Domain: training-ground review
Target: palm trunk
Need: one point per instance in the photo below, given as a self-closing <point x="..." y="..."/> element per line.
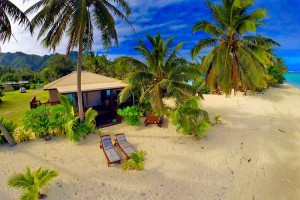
<point x="9" y="139"/>
<point x="79" y="64"/>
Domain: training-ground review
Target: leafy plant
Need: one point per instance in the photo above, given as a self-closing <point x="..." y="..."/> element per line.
<point x="64" y="120"/>
<point x="131" y="115"/>
<point x="10" y="127"/>
<point x="22" y="135"/>
<point x="89" y="120"/>
<point x="217" y="120"/>
<point x="136" y="161"/>
<point x="32" y="182"/>
<point x="186" y="118"/>
<point x="38" y="120"/>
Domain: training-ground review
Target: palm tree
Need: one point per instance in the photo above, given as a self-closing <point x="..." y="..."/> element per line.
<point x="10" y="10"/>
<point x="32" y="182"/>
<point x="161" y="72"/>
<point x="78" y="18"/>
<point x="235" y="59"/>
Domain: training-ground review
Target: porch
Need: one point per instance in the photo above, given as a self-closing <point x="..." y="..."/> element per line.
<point x="105" y="102"/>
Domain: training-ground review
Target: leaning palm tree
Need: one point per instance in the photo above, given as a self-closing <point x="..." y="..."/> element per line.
<point x="9" y="10"/>
<point x="78" y="18"/>
<point x="235" y="59"/>
<point x="32" y="182"/>
<point x="161" y="72"/>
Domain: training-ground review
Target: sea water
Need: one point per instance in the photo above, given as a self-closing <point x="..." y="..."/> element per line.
<point x="293" y="78"/>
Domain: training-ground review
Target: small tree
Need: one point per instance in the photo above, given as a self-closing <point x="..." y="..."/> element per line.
<point x="190" y="119"/>
<point x="32" y="182"/>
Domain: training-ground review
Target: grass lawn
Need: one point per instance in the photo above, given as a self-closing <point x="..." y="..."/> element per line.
<point x="15" y="104"/>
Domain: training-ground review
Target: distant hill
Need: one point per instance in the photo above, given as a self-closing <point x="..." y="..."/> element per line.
<point x="36" y="62"/>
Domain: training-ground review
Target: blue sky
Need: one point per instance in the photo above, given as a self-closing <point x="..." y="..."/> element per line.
<point x="175" y="18"/>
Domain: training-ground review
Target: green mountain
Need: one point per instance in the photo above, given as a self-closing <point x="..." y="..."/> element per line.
<point x="35" y="62"/>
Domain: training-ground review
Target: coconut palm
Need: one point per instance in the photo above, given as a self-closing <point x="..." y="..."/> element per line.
<point x="78" y="18"/>
<point x="235" y="58"/>
<point x="9" y="10"/>
<point x="32" y="182"/>
<point x="161" y="72"/>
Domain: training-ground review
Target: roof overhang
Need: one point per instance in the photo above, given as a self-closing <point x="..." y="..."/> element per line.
<point x="91" y="87"/>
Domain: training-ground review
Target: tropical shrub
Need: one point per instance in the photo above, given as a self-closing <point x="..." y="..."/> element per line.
<point x="131" y="115"/>
<point x="32" y="182"/>
<point x="136" y="161"/>
<point x="10" y="127"/>
<point x="22" y="135"/>
<point x="64" y="121"/>
<point x="32" y="86"/>
<point x="38" y="120"/>
<point x="186" y="118"/>
<point x="89" y="120"/>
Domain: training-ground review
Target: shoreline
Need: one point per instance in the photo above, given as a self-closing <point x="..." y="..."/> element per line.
<point x="253" y="154"/>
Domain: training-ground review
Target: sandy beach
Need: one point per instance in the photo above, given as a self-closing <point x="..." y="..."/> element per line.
<point x="253" y="155"/>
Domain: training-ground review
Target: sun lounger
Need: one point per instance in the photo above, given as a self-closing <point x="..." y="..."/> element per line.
<point x="152" y="119"/>
<point x="122" y="143"/>
<point x="109" y="151"/>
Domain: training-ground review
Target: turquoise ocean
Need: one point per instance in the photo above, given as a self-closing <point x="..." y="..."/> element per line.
<point x="293" y="78"/>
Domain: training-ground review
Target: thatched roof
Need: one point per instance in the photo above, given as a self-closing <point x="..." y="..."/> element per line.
<point x="89" y="82"/>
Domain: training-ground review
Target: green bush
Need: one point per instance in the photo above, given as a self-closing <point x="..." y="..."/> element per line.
<point x="186" y="118"/>
<point x="131" y="115"/>
<point x="136" y="161"/>
<point x="10" y="127"/>
<point x="38" y="120"/>
<point x="32" y="86"/>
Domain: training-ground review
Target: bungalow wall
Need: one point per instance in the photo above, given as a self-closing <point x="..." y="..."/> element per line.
<point x="54" y="95"/>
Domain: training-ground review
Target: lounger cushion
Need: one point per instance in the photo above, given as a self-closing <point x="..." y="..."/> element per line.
<point x="107" y="144"/>
<point x="121" y="138"/>
<point x="112" y="155"/>
<point x="124" y="145"/>
<point x="128" y="150"/>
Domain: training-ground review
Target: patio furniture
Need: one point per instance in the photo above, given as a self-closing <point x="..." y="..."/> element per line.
<point x="109" y="151"/>
<point x="152" y="119"/>
<point x="122" y="143"/>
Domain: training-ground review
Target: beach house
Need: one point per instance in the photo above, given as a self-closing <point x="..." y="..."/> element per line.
<point x="99" y="92"/>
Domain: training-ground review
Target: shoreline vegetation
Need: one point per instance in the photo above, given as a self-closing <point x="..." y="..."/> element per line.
<point x="244" y="147"/>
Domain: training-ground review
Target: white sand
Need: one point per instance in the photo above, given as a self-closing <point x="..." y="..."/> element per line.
<point x="253" y="155"/>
